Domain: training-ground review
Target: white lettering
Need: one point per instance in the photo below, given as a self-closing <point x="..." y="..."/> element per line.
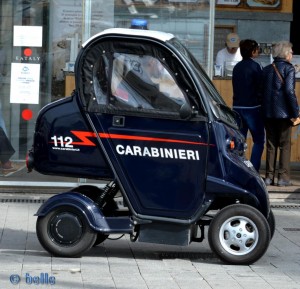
<point x="161" y="152"/>
<point x="28" y="58"/>
<point x="190" y="155"/>
<point x="137" y="151"/>
<point x="153" y="152"/>
<point x="182" y="154"/>
<point x="169" y="153"/>
<point x="146" y="152"/>
<point x="120" y="149"/>
<point x="175" y="154"/>
<point x="129" y="151"/>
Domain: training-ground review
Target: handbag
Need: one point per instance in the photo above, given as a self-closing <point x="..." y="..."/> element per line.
<point x="294" y="121"/>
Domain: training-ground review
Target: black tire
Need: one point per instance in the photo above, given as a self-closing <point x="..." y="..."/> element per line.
<point x="239" y="234"/>
<point x="65" y="232"/>
<point x="272" y="223"/>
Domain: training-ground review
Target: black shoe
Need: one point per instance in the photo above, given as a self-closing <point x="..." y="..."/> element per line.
<point x="284" y="183"/>
<point x="268" y="182"/>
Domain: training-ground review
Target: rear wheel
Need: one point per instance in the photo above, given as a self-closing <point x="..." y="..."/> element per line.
<point x="65" y="232"/>
<point x="239" y="234"/>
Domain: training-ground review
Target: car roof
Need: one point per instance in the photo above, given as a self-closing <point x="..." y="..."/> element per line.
<point x="159" y="35"/>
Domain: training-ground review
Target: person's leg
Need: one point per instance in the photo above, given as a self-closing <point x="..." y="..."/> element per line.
<point x="6" y="151"/>
<point x="285" y="150"/>
<point x="257" y="130"/>
<point x="271" y="148"/>
<point x="243" y="125"/>
<point x="2" y="123"/>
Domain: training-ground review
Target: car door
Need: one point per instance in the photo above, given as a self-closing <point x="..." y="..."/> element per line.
<point x="159" y="157"/>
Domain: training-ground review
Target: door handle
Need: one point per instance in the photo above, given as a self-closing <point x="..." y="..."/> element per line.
<point x="119" y="120"/>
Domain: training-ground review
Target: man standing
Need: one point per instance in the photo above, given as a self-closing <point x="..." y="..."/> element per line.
<point x="231" y="52"/>
<point x="246" y="81"/>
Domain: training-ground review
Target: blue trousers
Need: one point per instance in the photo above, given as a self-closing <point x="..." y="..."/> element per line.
<point x="252" y="121"/>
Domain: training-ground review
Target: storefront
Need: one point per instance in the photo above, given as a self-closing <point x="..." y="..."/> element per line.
<point x="266" y="23"/>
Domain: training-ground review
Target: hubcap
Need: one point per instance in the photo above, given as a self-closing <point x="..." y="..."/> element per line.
<point x="65" y="228"/>
<point x="238" y="235"/>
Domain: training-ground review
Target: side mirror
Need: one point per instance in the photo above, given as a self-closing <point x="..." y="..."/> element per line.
<point x="185" y="111"/>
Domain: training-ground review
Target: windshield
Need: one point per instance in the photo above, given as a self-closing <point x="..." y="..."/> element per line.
<point x="218" y="106"/>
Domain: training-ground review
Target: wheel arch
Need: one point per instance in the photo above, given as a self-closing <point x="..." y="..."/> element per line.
<point x="224" y="193"/>
<point x="92" y="213"/>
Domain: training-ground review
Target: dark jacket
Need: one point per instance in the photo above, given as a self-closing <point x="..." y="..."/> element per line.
<point x="246" y="82"/>
<point x="279" y="99"/>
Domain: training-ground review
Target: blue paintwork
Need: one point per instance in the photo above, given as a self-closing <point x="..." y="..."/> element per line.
<point x="93" y="214"/>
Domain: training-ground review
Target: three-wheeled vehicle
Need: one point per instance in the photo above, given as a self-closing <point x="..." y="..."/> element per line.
<point x="146" y="118"/>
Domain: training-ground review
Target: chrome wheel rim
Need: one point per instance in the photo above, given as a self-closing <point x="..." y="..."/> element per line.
<point x="238" y="235"/>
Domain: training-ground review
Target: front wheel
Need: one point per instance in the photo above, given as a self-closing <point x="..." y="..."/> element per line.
<point x="239" y="234"/>
<point x="65" y="232"/>
<point x="272" y="223"/>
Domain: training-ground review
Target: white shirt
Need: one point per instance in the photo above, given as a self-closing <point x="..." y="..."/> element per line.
<point x="223" y="55"/>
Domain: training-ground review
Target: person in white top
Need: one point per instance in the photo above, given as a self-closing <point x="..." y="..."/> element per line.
<point x="231" y="52"/>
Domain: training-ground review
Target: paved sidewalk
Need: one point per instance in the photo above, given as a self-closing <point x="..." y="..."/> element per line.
<point x="124" y="265"/>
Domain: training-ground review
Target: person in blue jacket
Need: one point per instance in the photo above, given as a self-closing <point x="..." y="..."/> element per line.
<point x="279" y="106"/>
<point x="246" y="82"/>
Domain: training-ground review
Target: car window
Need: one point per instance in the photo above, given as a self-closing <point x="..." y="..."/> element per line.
<point x="135" y="82"/>
<point x="143" y="82"/>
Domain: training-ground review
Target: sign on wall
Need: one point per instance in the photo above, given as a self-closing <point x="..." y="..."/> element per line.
<point x="25" y="75"/>
<point x="259" y="4"/>
<point x="25" y="83"/>
<point x="28" y="36"/>
<point x="228" y="2"/>
<point x="263" y="3"/>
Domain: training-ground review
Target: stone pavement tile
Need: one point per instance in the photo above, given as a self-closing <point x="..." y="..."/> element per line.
<point x="33" y="244"/>
<point x="283" y="285"/>
<point x="216" y="275"/>
<point x="65" y="264"/>
<point x="36" y="261"/>
<point x="192" y="284"/>
<point x="165" y="283"/>
<point x="257" y="285"/>
<point x="5" y="278"/>
<point x="124" y="271"/>
<point x="11" y="260"/>
<point x="130" y="282"/>
<point x="100" y="284"/>
<point x="95" y="272"/>
<point x="67" y="280"/>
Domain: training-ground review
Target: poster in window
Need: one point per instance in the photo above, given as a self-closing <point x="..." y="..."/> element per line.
<point x="264" y="4"/>
<point x="228" y="3"/>
<point x="28" y="36"/>
<point x="25" y="80"/>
